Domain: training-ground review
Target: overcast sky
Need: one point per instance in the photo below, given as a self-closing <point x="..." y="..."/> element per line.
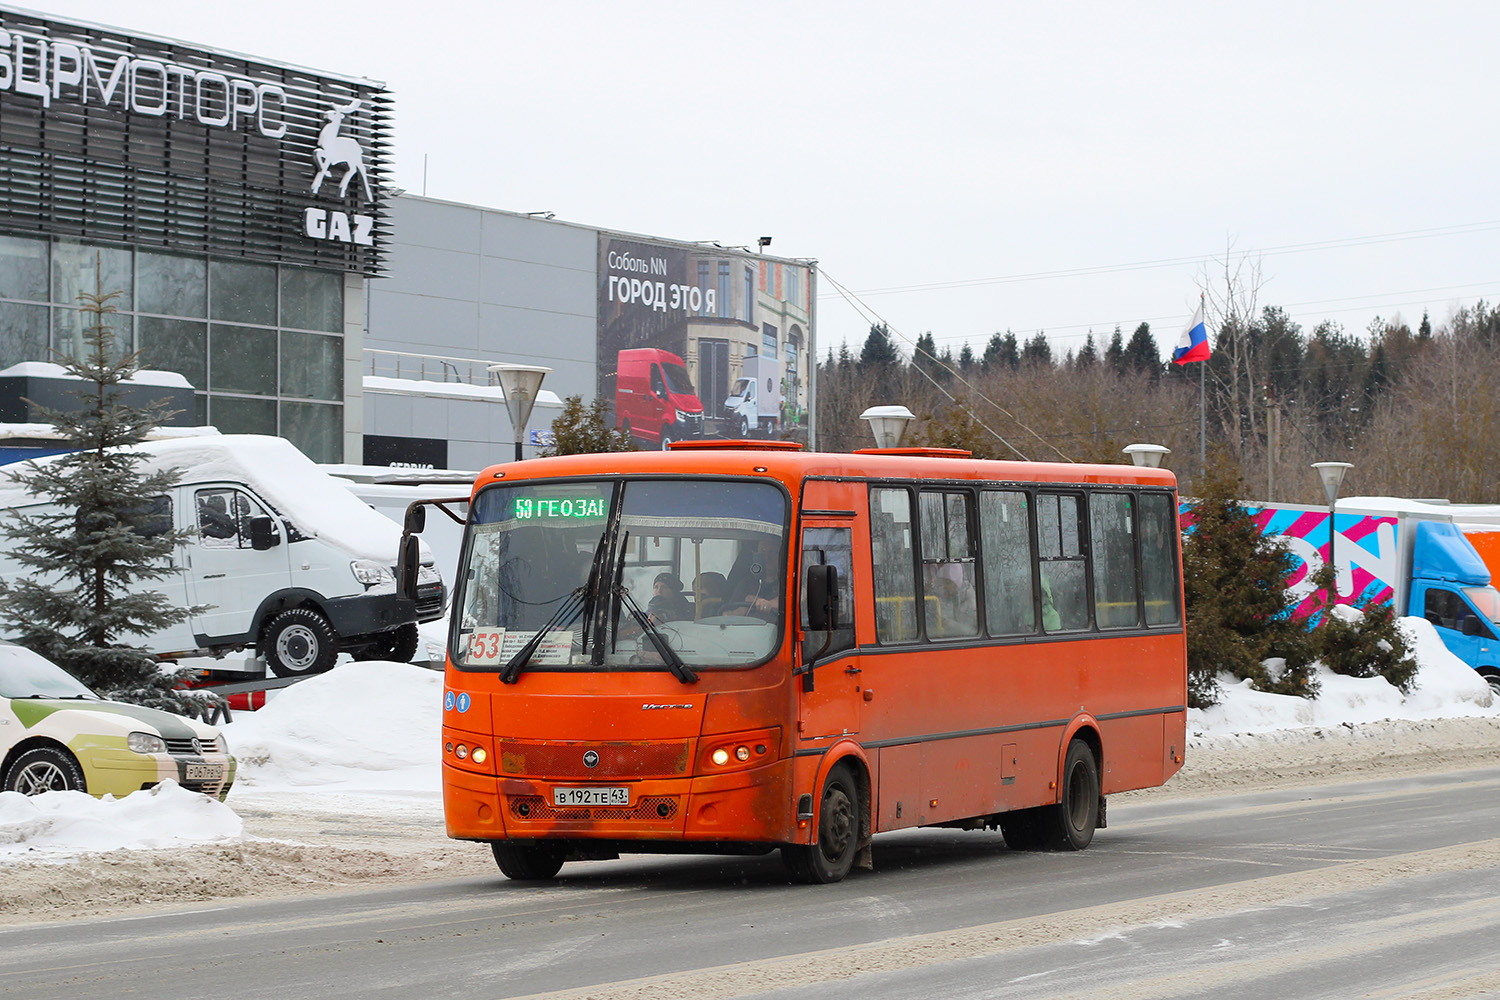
<point x="965" y="168"/>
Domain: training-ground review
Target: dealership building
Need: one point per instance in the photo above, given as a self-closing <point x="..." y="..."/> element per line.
<point x="239" y="212"/>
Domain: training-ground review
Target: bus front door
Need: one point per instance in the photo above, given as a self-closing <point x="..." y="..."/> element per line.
<point x="831" y="690"/>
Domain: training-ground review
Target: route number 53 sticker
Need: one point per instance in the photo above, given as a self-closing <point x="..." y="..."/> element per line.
<point x="485" y="645"/>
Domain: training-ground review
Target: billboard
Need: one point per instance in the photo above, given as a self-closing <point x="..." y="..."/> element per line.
<point x="112" y="137"/>
<point x="703" y="341"/>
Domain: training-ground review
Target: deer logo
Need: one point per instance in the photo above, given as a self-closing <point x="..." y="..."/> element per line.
<point x="334" y="149"/>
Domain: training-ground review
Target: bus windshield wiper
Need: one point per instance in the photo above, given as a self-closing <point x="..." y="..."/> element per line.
<point x="664" y="648"/>
<point x="568" y="610"/>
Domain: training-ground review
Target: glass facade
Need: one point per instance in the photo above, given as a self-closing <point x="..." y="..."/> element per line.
<point x="263" y="344"/>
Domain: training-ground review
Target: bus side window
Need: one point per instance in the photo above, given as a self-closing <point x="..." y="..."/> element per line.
<point x="947" y="566"/>
<point x="1008" y="569"/>
<point x="893" y="576"/>
<point x="1060" y="555"/>
<point x="829" y="547"/>
<point x="1159" y="559"/>
<point x="1113" y="538"/>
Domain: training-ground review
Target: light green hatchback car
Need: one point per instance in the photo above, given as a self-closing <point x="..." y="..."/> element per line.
<point x="56" y="735"/>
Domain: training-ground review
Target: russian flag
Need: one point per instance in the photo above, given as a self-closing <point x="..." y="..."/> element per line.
<point x="1193" y="344"/>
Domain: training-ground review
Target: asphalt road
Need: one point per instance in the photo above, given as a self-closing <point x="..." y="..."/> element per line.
<point x="1378" y="889"/>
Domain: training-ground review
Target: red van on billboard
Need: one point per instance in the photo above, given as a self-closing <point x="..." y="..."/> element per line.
<point x="654" y="398"/>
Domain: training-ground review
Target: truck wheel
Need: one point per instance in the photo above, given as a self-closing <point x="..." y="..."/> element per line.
<point x="45" y="769"/>
<point x="666" y="437"/>
<point x="744" y="427"/>
<point x="398" y="645"/>
<point x="1491" y="677"/>
<point x="297" y="642"/>
<point x="528" y="863"/>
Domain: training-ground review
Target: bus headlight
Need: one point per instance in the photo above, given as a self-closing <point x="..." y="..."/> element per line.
<point x="739" y="750"/>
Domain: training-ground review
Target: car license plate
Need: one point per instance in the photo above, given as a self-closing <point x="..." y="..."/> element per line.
<point x="618" y="796"/>
<point x="205" y="772"/>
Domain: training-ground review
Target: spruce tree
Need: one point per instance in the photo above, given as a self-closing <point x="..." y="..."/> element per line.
<point x="103" y="535"/>
<point x="1238" y="605"/>
<point x="583" y="430"/>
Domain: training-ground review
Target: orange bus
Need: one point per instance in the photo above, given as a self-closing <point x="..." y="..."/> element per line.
<point x="739" y="647"/>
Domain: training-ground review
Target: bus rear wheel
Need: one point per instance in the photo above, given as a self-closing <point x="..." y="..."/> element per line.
<point x="528" y="862"/>
<point x="830" y="859"/>
<point x="1069" y="825"/>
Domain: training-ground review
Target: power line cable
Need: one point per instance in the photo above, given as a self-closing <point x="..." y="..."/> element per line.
<point x="866" y="310"/>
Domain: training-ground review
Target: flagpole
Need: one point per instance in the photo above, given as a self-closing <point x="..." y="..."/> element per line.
<point x="1202" y="409"/>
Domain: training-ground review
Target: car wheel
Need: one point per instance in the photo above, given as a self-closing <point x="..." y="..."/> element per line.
<point x="830" y="859"/>
<point x="398" y="645"/>
<point x="528" y="862"/>
<point x="45" y="769"/>
<point x="298" y="642"/>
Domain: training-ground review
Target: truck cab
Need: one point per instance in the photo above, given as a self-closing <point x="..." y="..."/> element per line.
<point x="1450" y="587"/>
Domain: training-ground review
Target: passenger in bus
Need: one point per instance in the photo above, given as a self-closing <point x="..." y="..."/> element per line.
<point x="752" y="581"/>
<point x="667" y="603"/>
<point x="709" y="590"/>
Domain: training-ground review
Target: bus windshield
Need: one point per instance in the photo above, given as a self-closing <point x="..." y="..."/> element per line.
<point x="611" y="574"/>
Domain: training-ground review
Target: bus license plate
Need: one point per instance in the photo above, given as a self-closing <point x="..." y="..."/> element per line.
<point x="591" y="796"/>
<point x="205" y="772"/>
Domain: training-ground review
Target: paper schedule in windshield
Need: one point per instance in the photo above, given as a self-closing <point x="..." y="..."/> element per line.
<point x="494" y="646"/>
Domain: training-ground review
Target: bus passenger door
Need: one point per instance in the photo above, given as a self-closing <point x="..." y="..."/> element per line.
<point x="830" y="698"/>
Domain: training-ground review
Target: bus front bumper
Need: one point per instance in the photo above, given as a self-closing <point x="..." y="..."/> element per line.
<point x="755" y="805"/>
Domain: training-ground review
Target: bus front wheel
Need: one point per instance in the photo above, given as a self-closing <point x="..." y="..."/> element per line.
<point x="830" y="859"/>
<point x="528" y="862"/>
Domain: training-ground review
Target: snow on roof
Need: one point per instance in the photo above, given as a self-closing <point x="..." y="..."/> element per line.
<point x="46" y="369"/>
<point x="273" y="467"/>
<point x="46" y="432"/>
<point x="450" y="390"/>
<point x="1435" y="508"/>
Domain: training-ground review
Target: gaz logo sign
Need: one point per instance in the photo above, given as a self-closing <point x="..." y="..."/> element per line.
<point x="340" y="152"/>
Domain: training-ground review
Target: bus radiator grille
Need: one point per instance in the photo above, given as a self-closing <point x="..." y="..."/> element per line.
<point x="616" y="760"/>
<point x="654" y="808"/>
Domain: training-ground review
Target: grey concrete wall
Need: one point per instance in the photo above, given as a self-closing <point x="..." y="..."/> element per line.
<point x="477" y="283"/>
<point x="480" y="284"/>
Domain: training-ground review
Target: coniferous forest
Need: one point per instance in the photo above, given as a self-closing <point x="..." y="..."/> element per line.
<point x="1414" y="410"/>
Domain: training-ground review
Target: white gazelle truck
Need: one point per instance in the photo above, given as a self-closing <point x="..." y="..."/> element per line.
<point x="282" y="559"/>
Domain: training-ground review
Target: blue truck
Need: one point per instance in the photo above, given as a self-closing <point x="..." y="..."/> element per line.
<point x="1419" y="556"/>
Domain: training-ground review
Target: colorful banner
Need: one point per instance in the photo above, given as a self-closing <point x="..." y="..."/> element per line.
<point x="703" y="342"/>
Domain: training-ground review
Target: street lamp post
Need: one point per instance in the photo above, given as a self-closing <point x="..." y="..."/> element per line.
<point x="888" y="424"/>
<point x="520" y="383"/>
<point x="1147" y="456"/>
<point x="1332" y="475"/>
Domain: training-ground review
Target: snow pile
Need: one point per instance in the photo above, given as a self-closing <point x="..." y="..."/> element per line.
<point x="368" y="734"/>
<point x="61" y="824"/>
<point x="1446" y="688"/>
<point x="367" y="726"/>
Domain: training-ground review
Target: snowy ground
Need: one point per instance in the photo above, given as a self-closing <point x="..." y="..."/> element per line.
<point x="338" y="786"/>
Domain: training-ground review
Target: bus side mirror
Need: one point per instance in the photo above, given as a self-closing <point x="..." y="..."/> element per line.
<point x="822" y="598"/>
<point x="408" y="563"/>
<point x="262" y="533"/>
<point x="416" y="518"/>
